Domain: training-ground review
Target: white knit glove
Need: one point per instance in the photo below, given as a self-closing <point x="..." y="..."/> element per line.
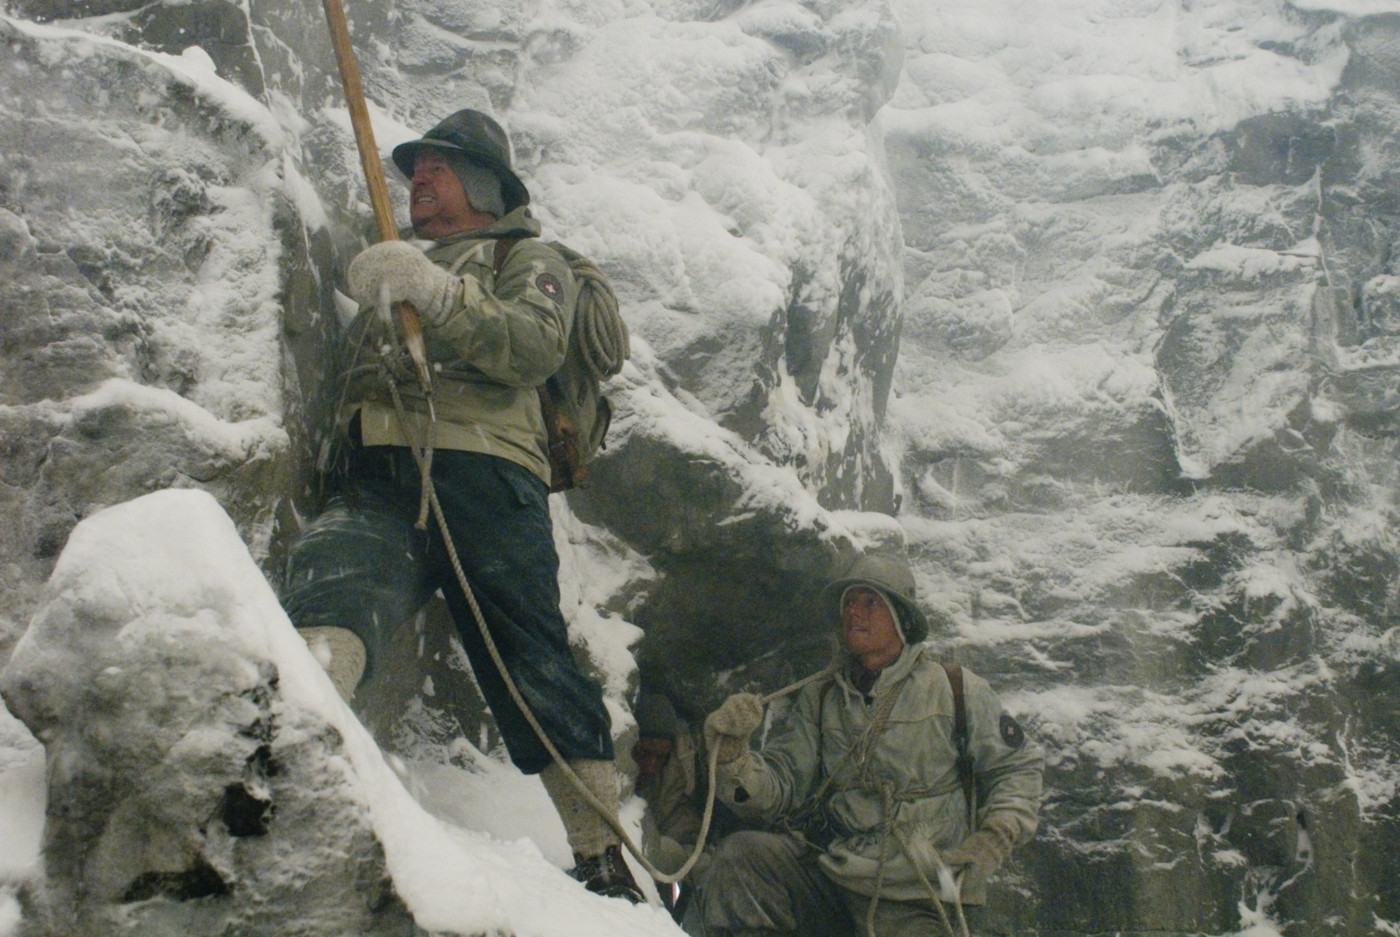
<point x="402" y="270"/>
<point x="983" y="852"/>
<point x="728" y="728"/>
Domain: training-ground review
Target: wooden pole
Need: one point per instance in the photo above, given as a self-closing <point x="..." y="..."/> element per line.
<point x="374" y="177"/>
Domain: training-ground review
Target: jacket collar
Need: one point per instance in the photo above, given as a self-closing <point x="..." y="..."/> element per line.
<point x="515" y="224"/>
<point x="891" y="675"/>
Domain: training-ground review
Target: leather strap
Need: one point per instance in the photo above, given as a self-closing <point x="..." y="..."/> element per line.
<point x="503" y="246"/>
<point x="961" y="739"/>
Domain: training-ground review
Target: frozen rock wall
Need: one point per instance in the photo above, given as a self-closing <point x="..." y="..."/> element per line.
<point x="188" y="791"/>
<point x="142" y="295"/>
<point x="1145" y="402"/>
<point x="1137" y="263"/>
<point x="718" y="162"/>
<point x="179" y="193"/>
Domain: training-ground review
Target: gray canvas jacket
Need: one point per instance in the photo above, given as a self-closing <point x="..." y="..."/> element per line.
<point x="915" y="755"/>
<point x="488" y="354"/>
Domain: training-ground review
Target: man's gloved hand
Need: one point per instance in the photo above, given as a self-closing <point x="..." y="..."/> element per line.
<point x="407" y="275"/>
<point x="728" y="728"/>
<point x="982" y="853"/>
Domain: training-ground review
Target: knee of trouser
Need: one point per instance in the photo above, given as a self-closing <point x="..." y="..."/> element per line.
<point x="741" y="855"/>
<point x="357" y="569"/>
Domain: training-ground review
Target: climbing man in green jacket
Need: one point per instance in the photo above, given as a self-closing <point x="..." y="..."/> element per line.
<point x="495" y="304"/>
<point x="895" y="786"/>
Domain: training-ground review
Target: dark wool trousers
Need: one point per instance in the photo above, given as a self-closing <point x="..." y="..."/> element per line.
<point x="764" y="884"/>
<point x="362" y="565"/>
<point x="770" y="883"/>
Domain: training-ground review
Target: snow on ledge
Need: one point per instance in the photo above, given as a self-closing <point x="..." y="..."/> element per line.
<point x="177" y="549"/>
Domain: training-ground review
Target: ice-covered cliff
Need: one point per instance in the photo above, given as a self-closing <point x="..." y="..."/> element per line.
<point x="1098" y="299"/>
<point x="1144" y="414"/>
<point x="181" y="193"/>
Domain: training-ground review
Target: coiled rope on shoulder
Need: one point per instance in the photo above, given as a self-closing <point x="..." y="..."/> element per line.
<point x="602" y="333"/>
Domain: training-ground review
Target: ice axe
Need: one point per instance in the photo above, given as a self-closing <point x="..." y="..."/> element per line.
<point x="374" y="179"/>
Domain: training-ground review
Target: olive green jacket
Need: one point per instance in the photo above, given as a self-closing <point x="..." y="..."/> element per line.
<point x="671" y="824"/>
<point x="915" y="756"/>
<point x="500" y="340"/>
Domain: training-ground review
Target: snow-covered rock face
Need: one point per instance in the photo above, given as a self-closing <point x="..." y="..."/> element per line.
<point x="187" y="793"/>
<point x="141" y="281"/>
<point x="1141" y="428"/>
<point x="716" y="160"/>
<point x="181" y="191"/>
<point x="203" y="777"/>
<point x="1145" y="415"/>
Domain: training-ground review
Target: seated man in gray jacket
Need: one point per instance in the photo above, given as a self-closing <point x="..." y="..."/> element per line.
<point x="889" y="789"/>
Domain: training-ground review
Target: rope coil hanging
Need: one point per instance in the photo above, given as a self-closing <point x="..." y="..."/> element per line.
<point x="603" y="335"/>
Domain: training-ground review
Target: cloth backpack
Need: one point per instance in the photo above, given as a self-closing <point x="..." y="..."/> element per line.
<point x="576" y="412"/>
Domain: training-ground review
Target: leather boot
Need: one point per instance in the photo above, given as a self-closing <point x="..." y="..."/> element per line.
<point x="607" y="874"/>
<point x="598" y="861"/>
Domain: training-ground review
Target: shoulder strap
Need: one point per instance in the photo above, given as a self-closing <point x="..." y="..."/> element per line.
<point x="566" y="469"/>
<point x="960" y="739"/>
<point x="503" y="248"/>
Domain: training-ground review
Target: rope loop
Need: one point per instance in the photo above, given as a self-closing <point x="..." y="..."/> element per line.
<point x="602" y="332"/>
<point x="862" y="750"/>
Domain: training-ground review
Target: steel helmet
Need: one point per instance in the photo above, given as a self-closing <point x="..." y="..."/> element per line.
<point x="892" y="577"/>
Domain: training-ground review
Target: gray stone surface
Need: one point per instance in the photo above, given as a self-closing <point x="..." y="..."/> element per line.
<point x="1161" y="508"/>
<point x="142" y="335"/>
<point x="187" y="793"/>
<point x="1131" y="387"/>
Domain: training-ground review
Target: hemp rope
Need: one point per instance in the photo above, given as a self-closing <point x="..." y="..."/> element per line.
<point x="603" y="337"/>
<point x="432" y="503"/>
<point x="863" y="751"/>
<point x="889" y="808"/>
<point x="605" y="343"/>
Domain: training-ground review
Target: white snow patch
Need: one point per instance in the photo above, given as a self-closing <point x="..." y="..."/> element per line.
<point x="178" y="550"/>
<point x="193" y="67"/>
<point x="1249" y="263"/>
<point x="244" y="441"/>
<point x="22" y="803"/>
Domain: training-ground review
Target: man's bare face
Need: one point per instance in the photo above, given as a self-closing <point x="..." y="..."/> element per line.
<point x="651" y="754"/>
<point x="438" y="203"/>
<point x="867" y="627"/>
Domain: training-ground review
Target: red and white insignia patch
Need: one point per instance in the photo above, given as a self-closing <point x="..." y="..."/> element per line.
<point x="549" y="285"/>
<point x="1011" y="732"/>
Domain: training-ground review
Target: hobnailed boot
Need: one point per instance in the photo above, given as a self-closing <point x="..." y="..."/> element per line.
<point x="341" y="654"/>
<point x="607" y="874"/>
<point x="598" y="859"/>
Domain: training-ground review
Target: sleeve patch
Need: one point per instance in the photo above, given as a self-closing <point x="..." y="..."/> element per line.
<point x="549" y="285"/>
<point x="1011" y="732"/>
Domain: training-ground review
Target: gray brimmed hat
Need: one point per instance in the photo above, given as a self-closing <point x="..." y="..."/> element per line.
<point x="476" y="136"/>
<point x="892" y="577"/>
